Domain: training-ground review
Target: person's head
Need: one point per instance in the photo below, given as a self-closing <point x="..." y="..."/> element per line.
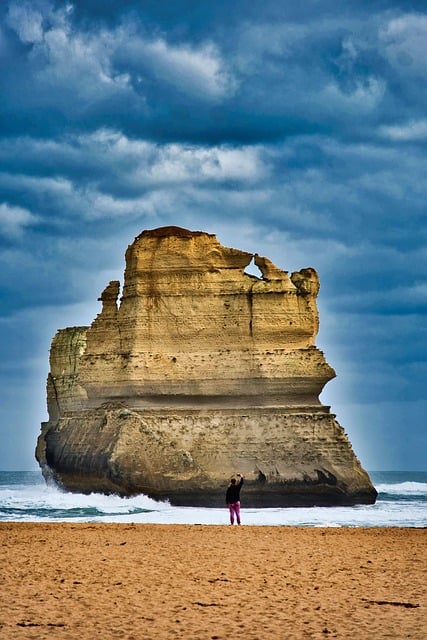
<point x="233" y="481"/>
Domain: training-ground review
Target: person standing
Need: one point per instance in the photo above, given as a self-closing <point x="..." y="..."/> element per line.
<point x="232" y="498"/>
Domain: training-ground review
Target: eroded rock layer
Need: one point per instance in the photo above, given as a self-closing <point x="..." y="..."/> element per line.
<point x="199" y="371"/>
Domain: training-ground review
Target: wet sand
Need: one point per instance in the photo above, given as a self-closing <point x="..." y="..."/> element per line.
<point x="134" y="582"/>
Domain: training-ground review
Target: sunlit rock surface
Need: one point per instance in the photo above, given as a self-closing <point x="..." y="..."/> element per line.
<point x="197" y="371"/>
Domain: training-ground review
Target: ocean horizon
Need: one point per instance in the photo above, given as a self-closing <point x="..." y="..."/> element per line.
<point x="25" y="497"/>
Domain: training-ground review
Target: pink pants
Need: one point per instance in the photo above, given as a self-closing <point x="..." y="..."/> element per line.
<point x="234" y="508"/>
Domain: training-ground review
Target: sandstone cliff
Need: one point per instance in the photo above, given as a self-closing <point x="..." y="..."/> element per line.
<point x="200" y="370"/>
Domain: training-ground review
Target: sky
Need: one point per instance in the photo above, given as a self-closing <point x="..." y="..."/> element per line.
<point x="296" y="130"/>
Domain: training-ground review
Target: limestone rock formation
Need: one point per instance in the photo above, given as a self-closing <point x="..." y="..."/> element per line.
<point x="201" y="370"/>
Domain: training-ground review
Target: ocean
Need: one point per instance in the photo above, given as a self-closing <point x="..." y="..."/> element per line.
<point x="25" y="497"/>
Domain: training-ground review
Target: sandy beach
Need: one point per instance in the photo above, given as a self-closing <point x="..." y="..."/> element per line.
<point x="86" y="581"/>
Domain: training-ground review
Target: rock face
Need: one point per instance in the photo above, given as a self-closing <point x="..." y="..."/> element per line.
<point x="200" y="371"/>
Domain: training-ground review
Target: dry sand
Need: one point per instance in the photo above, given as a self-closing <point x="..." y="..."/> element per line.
<point x="88" y="581"/>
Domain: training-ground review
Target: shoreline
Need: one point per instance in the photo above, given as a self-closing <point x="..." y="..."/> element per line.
<point x="150" y="581"/>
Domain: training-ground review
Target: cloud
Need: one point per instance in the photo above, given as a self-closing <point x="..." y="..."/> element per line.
<point x="57" y="77"/>
<point x="364" y="96"/>
<point x="412" y="131"/>
<point x="132" y="76"/>
<point x="105" y="173"/>
<point x="14" y="220"/>
<point x="27" y="21"/>
<point x="97" y="76"/>
<point x="73" y="71"/>
<point x="178" y="163"/>
<point x="404" y="39"/>
<point x="197" y="71"/>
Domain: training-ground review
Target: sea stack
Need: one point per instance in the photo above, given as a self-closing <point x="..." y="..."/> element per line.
<point x="197" y="371"/>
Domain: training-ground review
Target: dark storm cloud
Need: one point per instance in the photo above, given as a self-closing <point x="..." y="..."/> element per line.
<point x="295" y="130"/>
<point x="329" y="73"/>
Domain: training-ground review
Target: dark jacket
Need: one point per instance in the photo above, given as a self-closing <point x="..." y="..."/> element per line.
<point x="233" y="493"/>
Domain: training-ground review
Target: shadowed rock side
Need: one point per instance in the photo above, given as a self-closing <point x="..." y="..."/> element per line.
<point x="201" y="370"/>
